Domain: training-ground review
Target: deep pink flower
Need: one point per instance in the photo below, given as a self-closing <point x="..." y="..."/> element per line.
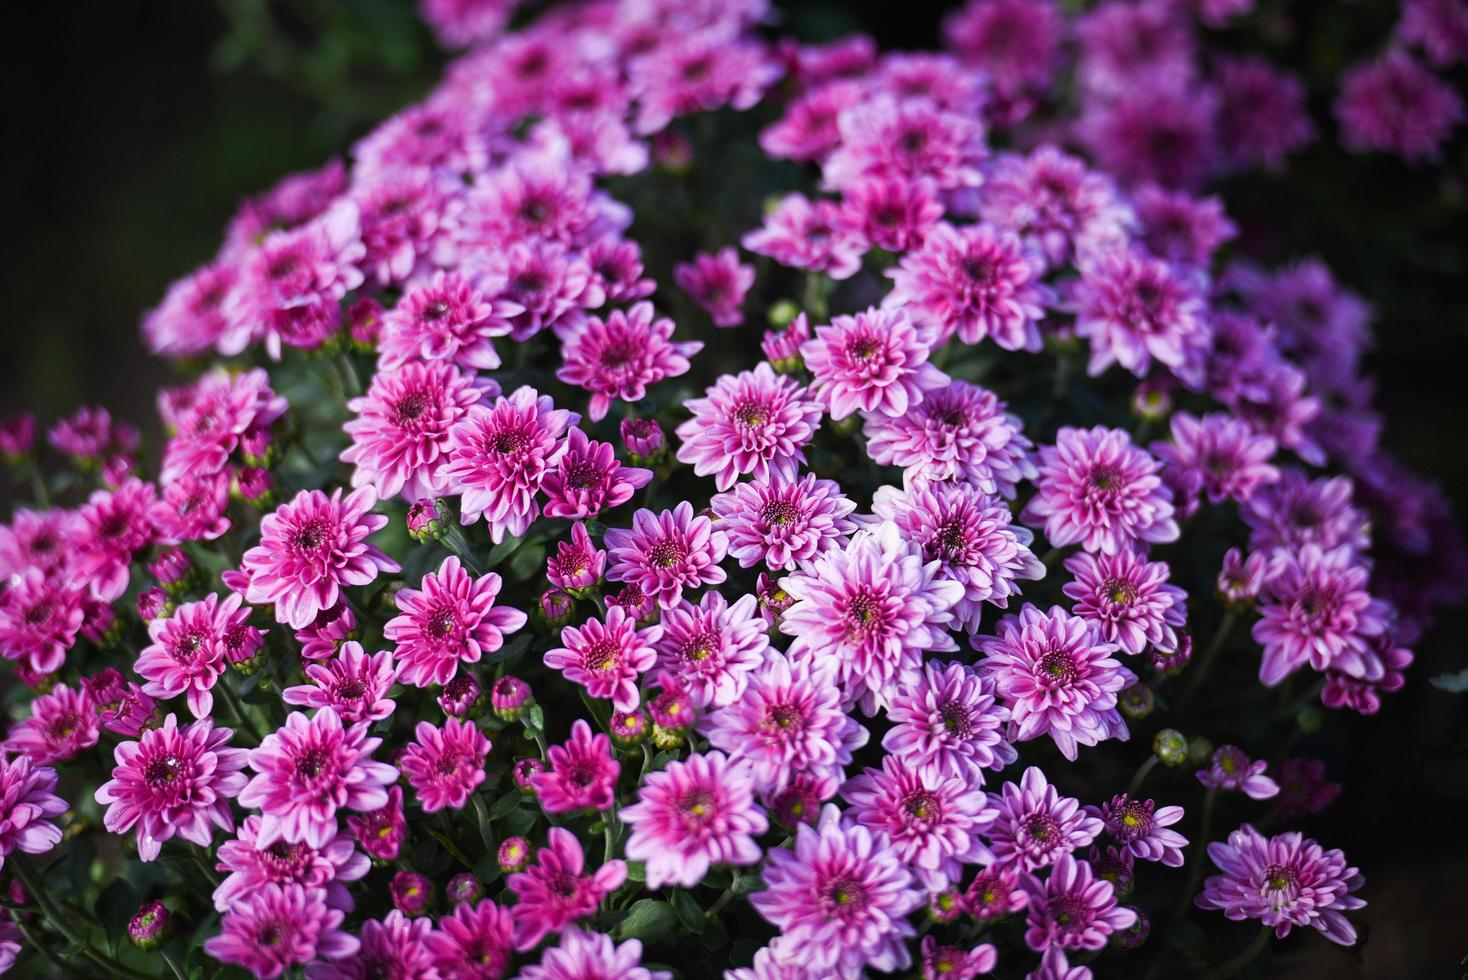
<point x="754" y="422"/>
<point x="1127" y="599"/>
<point x="555" y="892"/>
<point x="1304" y="788"/>
<point x="1134" y="309"/>
<point x="538" y="196"/>
<point x="840" y="899"/>
<point x="190" y="318"/>
<point x="875" y="362"/>
<point x="1181" y="227"/>
<point x="1295" y="511"/>
<point x="380" y="832"/>
<point x="452" y="619"/>
<point x="665" y="553"/>
<point x="588" y="955"/>
<point x="1140" y="826"/>
<point x="1232" y="769"/>
<point x="188" y="651"/>
<point x="619" y="357"/>
<point x="1154" y="132"/>
<point x="35" y="540"/>
<point x="28" y="801"/>
<point x="1317" y="611"/>
<point x="952" y="963"/>
<point x="808" y="130"/>
<point x="783" y="523"/>
<point x="1395" y="105"/>
<point x="194" y="507"/>
<point x="61" y="723"/>
<point x="995" y="893"/>
<point x="810" y="235"/>
<point x="583" y="774"/>
<point x="331" y="628"/>
<point x="121" y="705"/>
<point x="1036" y="825"/>
<point x="354" y="682"/>
<point x="717" y="283"/>
<point x="210" y="417"/>
<point x="550" y="286"/>
<point x="91" y="433"/>
<point x="949" y="722"/>
<point x="910" y="139"/>
<point x="395" y="944"/>
<point x="891" y="213"/>
<point x="405" y="218"/>
<point x="1017" y="42"/>
<point x="1073" y="909"/>
<point x="577" y="564"/>
<point x="473" y="943"/>
<point x="616" y="266"/>
<point x="309" y="769"/>
<point x="698" y="72"/>
<point x="310" y="548"/>
<point x="40" y="617"/>
<point x="588" y="479"/>
<point x="1058" y="207"/>
<point x="276" y="927"/>
<point x="251" y="866"/>
<point x="293" y="201"/>
<point x="1283" y="881"/>
<point x="1262" y="113"/>
<point x="445" y="318"/>
<point x="444" y="765"/>
<point x="1440" y="27"/>
<point x="711" y="647"/>
<point x="607" y="656"/>
<point x="111" y="528"/>
<point x="1217" y="455"/>
<point x="691" y="815"/>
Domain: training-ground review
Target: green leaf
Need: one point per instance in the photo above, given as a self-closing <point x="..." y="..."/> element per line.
<point x="636" y="870"/>
<point x="116" y="906"/>
<point x="510" y="650"/>
<point x="501" y="551"/>
<point x="528" y="561"/>
<point x="689" y="912"/>
<point x="535" y="718"/>
<point x="505" y="805"/>
<point x="648" y="920"/>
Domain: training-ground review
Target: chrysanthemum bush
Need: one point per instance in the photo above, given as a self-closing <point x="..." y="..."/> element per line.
<point x="682" y="502"/>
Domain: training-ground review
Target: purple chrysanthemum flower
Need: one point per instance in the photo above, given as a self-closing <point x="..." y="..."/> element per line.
<point x="1297" y="511"/>
<point x="1058" y="207"/>
<point x="62" y="722"/>
<point x="1217" y="455"/>
<point x="1134" y="308"/>
<point x="28" y="802"/>
<point x="444" y="765"/>
<point x="754" y="422"/>
<point x="1395" y="105"/>
<point x="1316" y="610"/>
<point x="949" y="722"/>
<point x="995" y="893"/>
<point x="577" y="564"/>
<point x="475" y="941"/>
<point x="447" y="319"/>
<point x="667" y="552"/>
<point x="910" y="139"/>
<point x="1231" y="769"/>
<point x="952" y="963"/>
<point x="694" y="814"/>
<point x="1072" y="908"/>
<point x="187" y="654"/>
<point x="1283" y="881"/>
<point x="555" y="892"/>
<point x="606" y="657"/>
<point x="583" y="774"/>
<point x="395" y="945"/>
<point x="354" y="682"/>
<point x="717" y="283"/>
<point x="1017" y="42"/>
<point x="1304" y="788"/>
<point x="250" y="866"/>
<point x="587" y="955"/>
<point x="784" y="522"/>
<point x="1098" y="490"/>
<point x="452" y="619"/>
<point x="1140" y="826"/>
<point x="712" y="647"/>
<point x="810" y="235"/>
<point x="1128" y="599"/>
<point x="875" y="362"/>
<point x="619" y="357"/>
<point x="276" y="927"/>
<point x="588" y="479"/>
<point x="1036" y="825"/>
<point x="1180" y="227"/>
<point x="891" y="213"/>
<point x="1262" y="114"/>
<point x="873" y="610"/>
<point x="840" y="899"/>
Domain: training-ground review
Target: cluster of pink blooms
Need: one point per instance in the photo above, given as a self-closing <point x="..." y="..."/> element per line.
<point x="686" y="630"/>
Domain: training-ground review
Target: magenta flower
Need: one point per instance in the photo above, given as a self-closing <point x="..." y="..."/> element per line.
<point x="307" y="770"/>
<point x="1036" y="825"/>
<point x="276" y="927"/>
<point x="395" y="942"/>
<point x="952" y="963"/>
<point x="840" y="899"/>
<point x="1134" y="309"/>
<point x="401" y="435"/>
<point x="188" y="652"/>
<point x="873" y="611"/>
<point x="619" y="357"/>
<point x="606" y="657"/>
<point x="698" y="72"/>
<point x="1057" y="677"/>
<point x="582" y="776"/>
<point x="910" y="139"/>
<point x="310" y="548"/>
<point x="405" y="222"/>
<point x="550" y="286"/>
<point x="667" y="552"/>
<point x="190" y="318"/>
<point x="444" y="765"/>
<point x="1395" y="105"/>
<point x="1017" y="42"/>
<point x="1073" y="909"/>
<point x="1140" y="826"/>
<point x="584" y="955"/>
<point x="452" y="619"/>
<point x="891" y="213"/>
<point x="1058" y="207"/>
<point x="783" y="523"/>
<point x="1304" y="788"/>
<point x="354" y="682"/>
<point x="694" y="814"/>
<point x="948" y="722"/>
<point x="1098" y="490"/>
<point x="448" y="319"/>
<point x="1127" y="599"/>
<point x="1297" y="511"/>
<point x="788" y="721"/>
<point x="810" y="235"/>
<point x="588" y="479"/>
<point x="380" y="832"/>
<point x="577" y="564"/>
<point x="875" y="362"/>
<point x="251" y="866"/>
<point x="1217" y="455"/>
<point x="754" y="422"/>
<point x="1231" y="769"/>
<point x="1180" y="227"/>
<point x="1283" y="881"/>
<point x="474" y="941"/>
<point x="62" y="722"/>
<point x="112" y="527"/>
<point x="1317" y="611"/>
<point x="555" y="892"/>
<point x="972" y="282"/>
<point x="28" y="801"/>
<point x="995" y="893"/>
<point x="712" y="647"/>
<point x="717" y="283"/>
<point x="210" y="419"/>
<point x="499" y="456"/>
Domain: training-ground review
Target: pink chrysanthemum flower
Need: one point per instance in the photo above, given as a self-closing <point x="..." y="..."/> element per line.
<point x="538" y="196"/>
<point x="307" y="770"/>
<point x="444" y="765"/>
<point x="958" y="433"/>
<point x="808" y="130"/>
<point x="401" y="432"/>
<point x="873" y="610"/>
<point x="698" y="72"/>
<point x="90" y="433"/>
<point x="1134" y="309"/>
<point x="995" y="893"/>
<point x="174" y="781"/>
<point x="122" y="707"/>
<point x="1162" y="133"/>
<point x="354" y="682"/>
<point x="588" y="479"/>
<point x="1017" y="42"/>
<point x="892" y="214"/>
<point x="911" y="139"/>
<point x="328" y="631"/>
<point x="754" y="422"/>
<point x="277" y="927"/>
<point x="1128" y="599"/>
<point x="1098" y="490"/>
<point x="1232" y="769"/>
<point x="190" y="319"/>
<point x="293" y="201"/>
<point x="606" y="657"/>
<point x="1036" y="825"/>
<point x="788" y="721"/>
<point x="840" y="899"/>
<point x="40" y="617"/>
<point x="1296" y="511"/>
<point x="783" y="523"/>
<point x="1058" y="207"/>
<point x="446" y="318"/>
<point x="405" y="217"/>
<point x="1073" y="909"/>
<point x="588" y="955"/>
<point x="577" y="564"/>
<point x="1181" y="227"/>
<point x="952" y="963"/>
<point x="583" y="774"/>
<point x="34" y="540"/>
<point x="396" y="946"/>
<point x="667" y="552"/>
<point x="555" y="892"/>
<point x="111" y="528"/>
<point x="550" y="286"/>
<point x="473" y="942"/>
<point x="28" y="802"/>
<point x="971" y="537"/>
<point x="1304" y="788"/>
<point x="717" y="283"/>
<point x="452" y="619"/>
<point x="932" y="821"/>
<point x="1317" y="611"/>
<point x="1283" y="881"/>
<point x="251" y="866"/>
<point x="380" y="832"/>
<point x="210" y="418"/>
<point x="711" y="647"/>
<point x="1262" y="113"/>
<point x="810" y="235"/>
<point x="616" y="266"/>
<point x="619" y="357"/>
<point x="972" y="282"/>
<point x="1141" y="827"/>
<point x="949" y="722"/>
<point x="62" y="723"/>
<point x="875" y="362"/>
<point x="1057" y="677"/>
<point x="188" y="652"/>
<point x="1395" y="105"/>
<point x="692" y="815"/>
<point x="499" y="456"/>
<point x="1217" y="455"/>
<point x="310" y="549"/>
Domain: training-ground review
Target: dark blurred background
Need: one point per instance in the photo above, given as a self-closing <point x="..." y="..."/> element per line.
<point x="135" y="125"/>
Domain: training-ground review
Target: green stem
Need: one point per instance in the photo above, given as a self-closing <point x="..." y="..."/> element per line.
<point x="454" y="540"/>
<point x="38" y="487"/>
<point x="1235" y="966"/>
<point x="1195" y="871"/>
<point x="725" y="898"/>
<point x="62" y="923"/>
<point x="452" y="848"/>
<point x="34" y="941"/>
<point x="609" y="833"/>
<point x="815" y="297"/>
<point x="238" y="710"/>
<point x="1205" y="661"/>
<point x="1141" y="775"/>
<point x="173" y="965"/>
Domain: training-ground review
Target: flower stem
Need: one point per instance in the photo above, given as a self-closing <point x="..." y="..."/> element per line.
<point x="1195" y="871"/>
<point x="1235" y="966"/>
<point x="238" y="710"/>
<point x="725" y="898"/>
<point x="1205" y="662"/>
<point x="1141" y="775"/>
<point x="62" y="923"/>
<point x="454" y="540"/>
